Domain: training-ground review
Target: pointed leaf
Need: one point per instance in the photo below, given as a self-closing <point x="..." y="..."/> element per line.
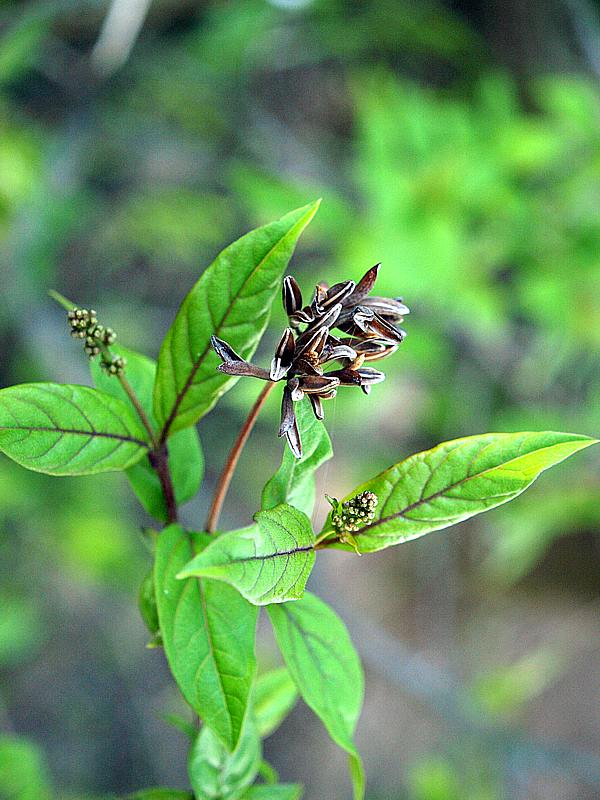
<point x="456" y="480"/>
<point x="216" y="774"/>
<point x="294" y="481"/>
<point x="23" y="771"/>
<point x="232" y="300"/>
<point x="267" y="563"/>
<point x="275" y="695"/>
<point x="68" y="430"/>
<point x="208" y="632"/>
<point x="280" y="791"/>
<point x="319" y="654"/>
<point x="186" y="461"/>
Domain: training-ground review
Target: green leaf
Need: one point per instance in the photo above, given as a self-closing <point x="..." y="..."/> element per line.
<point x="186" y="462"/>
<point x="23" y="771"/>
<point x="160" y="794"/>
<point x="294" y="481"/>
<point x="216" y="774"/>
<point x="267" y="563"/>
<point x="456" y="480"/>
<point x="182" y="725"/>
<point x="208" y="632"/>
<point x="281" y="791"/>
<point x="68" y="430"/>
<point x="275" y="695"/>
<point x="232" y="300"/>
<point x="319" y="654"/>
<point x="147" y="604"/>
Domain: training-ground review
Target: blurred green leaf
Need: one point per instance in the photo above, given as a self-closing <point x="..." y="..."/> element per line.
<point x="159" y="794"/>
<point x="23" y="771"/>
<point x="147" y="603"/>
<point x="281" y="791"/>
<point x="294" y="481"/>
<point x="21" y="44"/>
<point x="215" y="773"/>
<point x="434" y="779"/>
<point x="504" y="690"/>
<point x="20" y="629"/>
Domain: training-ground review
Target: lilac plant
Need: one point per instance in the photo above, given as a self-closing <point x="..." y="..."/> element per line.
<point x="202" y="599"/>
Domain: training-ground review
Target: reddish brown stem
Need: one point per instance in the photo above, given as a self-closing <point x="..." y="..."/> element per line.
<point x="159" y="460"/>
<point x="234" y="455"/>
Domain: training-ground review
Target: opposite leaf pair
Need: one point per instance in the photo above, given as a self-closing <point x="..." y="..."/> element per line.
<point x="208" y="631"/>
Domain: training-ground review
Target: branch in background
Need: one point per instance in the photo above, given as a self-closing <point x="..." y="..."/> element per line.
<point x="121" y="28"/>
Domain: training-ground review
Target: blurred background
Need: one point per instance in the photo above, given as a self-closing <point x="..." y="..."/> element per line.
<point x="459" y="144"/>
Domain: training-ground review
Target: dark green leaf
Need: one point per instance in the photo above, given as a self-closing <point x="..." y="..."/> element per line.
<point x="456" y="480"/>
<point x="186" y="462"/>
<point x="294" y="481"/>
<point x="23" y="771"/>
<point x="232" y="300"/>
<point x="208" y="633"/>
<point x="275" y="695"/>
<point x="216" y="774"/>
<point x="319" y="654"/>
<point x="267" y="563"/>
<point x="68" y="430"/>
<point x="281" y="791"/>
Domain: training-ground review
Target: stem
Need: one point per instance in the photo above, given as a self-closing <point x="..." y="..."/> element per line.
<point x="159" y="460"/>
<point x="320" y="540"/>
<point x="138" y="407"/>
<point x="234" y="455"/>
<point x="127" y="388"/>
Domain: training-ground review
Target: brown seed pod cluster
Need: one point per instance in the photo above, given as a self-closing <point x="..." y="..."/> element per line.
<point x="365" y="331"/>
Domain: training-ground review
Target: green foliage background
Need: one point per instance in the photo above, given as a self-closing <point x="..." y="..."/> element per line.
<point x="464" y="162"/>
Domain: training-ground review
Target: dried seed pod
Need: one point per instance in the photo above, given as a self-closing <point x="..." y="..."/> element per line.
<point x="291" y="295"/>
<point x="284" y="355"/>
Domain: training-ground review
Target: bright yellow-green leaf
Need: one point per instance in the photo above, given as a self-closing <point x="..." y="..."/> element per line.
<point x="456" y="480"/>
<point x="216" y="774"/>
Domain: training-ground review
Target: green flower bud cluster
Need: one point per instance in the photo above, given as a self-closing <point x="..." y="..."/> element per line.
<point x="355" y="513"/>
<point x="114" y="366"/>
<point x="84" y="325"/>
